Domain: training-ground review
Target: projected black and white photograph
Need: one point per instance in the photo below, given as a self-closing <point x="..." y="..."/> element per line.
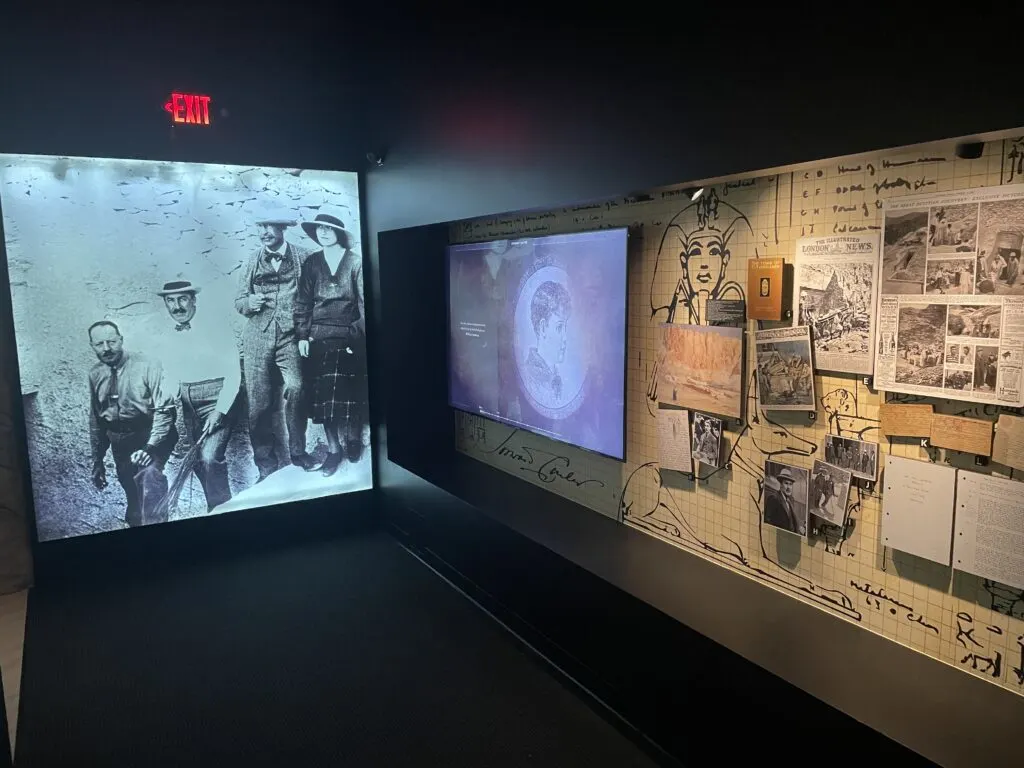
<point x="191" y="337"/>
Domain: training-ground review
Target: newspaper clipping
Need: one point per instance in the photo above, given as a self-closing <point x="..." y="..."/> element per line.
<point x="835" y="290"/>
<point x="951" y="309"/>
<point x="785" y="379"/>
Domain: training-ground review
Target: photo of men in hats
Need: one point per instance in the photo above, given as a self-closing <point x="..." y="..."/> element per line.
<point x="273" y="374"/>
<point x="189" y="398"/>
<point x="785" y="497"/>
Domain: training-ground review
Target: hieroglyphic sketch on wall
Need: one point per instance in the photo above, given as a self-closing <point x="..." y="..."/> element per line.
<point x="697" y="251"/>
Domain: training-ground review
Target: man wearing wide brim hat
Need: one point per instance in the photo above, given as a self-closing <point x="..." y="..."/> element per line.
<point x="266" y="296"/>
<point x="274" y="219"/>
<point x="781" y="507"/>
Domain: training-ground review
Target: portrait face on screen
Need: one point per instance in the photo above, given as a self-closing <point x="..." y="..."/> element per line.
<point x="158" y="312"/>
<point x="551" y="367"/>
<point x="537" y="334"/>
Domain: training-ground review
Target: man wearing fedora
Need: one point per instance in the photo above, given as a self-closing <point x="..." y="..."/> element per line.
<point x="781" y="509"/>
<point x="266" y="295"/>
<point x="202" y="370"/>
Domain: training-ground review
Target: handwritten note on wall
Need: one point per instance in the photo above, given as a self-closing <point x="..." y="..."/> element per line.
<point x="917" y="508"/>
<point x="718" y="514"/>
<point x="989" y="538"/>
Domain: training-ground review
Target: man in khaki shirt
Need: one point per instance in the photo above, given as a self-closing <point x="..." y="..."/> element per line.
<point x="131" y="416"/>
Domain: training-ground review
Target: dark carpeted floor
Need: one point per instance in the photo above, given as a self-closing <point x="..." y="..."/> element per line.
<point x="351" y="653"/>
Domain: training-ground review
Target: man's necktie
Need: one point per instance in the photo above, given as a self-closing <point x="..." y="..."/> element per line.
<point x="113" y="396"/>
<point x="187" y="326"/>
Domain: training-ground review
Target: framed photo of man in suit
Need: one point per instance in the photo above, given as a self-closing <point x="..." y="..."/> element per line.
<point x="785" y="497"/>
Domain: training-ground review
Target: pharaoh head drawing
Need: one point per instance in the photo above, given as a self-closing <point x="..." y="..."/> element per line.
<point x="698" y="240"/>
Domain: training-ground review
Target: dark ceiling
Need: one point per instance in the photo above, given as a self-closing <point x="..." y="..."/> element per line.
<point x="305" y="84"/>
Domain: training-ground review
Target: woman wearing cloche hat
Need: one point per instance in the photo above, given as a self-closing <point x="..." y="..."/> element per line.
<point x="331" y="328"/>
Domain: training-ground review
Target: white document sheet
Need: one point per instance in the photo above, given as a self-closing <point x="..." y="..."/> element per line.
<point x="917" y="508"/>
<point x="674" y="439"/>
<point x="989" y="539"/>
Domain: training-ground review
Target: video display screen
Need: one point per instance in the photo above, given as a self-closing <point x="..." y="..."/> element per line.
<point x="190" y="337"/>
<point x="538" y="335"/>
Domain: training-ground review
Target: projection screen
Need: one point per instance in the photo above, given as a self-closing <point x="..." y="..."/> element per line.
<point x="190" y="337"/>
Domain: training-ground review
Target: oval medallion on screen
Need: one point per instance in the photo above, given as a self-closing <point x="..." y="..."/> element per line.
<point x="550" y="358"/>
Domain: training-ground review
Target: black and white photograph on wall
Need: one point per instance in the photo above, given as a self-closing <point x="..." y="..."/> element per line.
<point x="785" y="497"/>
<point x="959" y="380"/>
<point x="959" y="354"/>
<point x="978" y="322"/>
<point x="986" y="368"/>
<point x="707" y="439"/>
<point x="785" y="374"/>
<point x="830" y="488"/>
<point x="952" y="228"/>
<point x="191" y="337"/>
<point x="858" y="456"/>
<point x="950" y="276"/>
<point x="904" y="251"/>
<point x="1000" y="244"/>
<point x="920" y="345"/>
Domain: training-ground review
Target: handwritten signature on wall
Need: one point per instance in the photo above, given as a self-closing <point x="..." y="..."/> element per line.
<point x="547" y="466"/>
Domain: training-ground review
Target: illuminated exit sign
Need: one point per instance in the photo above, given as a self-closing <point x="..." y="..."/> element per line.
<point x="189" y="108"/>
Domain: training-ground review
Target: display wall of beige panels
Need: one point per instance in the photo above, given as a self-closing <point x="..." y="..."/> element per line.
<point x="960" y="619"/>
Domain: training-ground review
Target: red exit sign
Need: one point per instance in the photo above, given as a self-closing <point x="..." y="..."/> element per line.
<point x="189" y="108"/>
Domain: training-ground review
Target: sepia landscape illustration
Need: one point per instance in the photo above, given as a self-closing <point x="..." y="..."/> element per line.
<point x="702" y="368"/>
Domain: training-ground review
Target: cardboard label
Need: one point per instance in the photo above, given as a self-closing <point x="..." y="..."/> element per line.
<point x="899" y="420"/>
<point x="1009" y="443"/>
<point x="960" y="434"/>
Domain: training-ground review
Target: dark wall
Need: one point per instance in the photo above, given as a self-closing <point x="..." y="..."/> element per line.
<point x="496" y="129"/>
<point x="92" y="81"/>
<point x="513" y="131"/>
